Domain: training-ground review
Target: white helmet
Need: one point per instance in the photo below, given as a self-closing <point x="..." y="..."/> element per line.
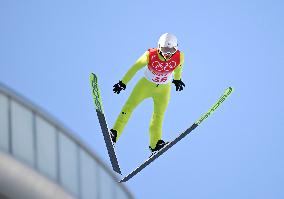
<point x="168" y="42"/>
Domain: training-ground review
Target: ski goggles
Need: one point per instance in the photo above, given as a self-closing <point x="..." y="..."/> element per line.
<point x="167" y="50"/>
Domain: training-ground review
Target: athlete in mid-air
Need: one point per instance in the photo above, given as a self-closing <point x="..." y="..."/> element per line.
<point x="161" y="64"/>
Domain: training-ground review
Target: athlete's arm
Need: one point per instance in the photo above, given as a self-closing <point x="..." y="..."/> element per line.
<point x="140" y="63"/>
<point x="177" y="74"/>
<point x="178" y="70"/>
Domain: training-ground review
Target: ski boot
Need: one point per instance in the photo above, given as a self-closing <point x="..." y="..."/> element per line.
<point x="160" y="144"/>
<point x="113" y="135"/>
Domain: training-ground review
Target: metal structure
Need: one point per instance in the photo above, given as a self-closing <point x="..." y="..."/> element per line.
<point x="40" y="158"/>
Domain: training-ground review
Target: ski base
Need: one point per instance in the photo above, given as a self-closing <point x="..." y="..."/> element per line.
<point x="159" y="153"/>
<point x="182" y="135"/>
<point x="103" y="123"/>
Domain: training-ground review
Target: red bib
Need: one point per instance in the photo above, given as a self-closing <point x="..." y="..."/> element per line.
<point x="160" y="66"/>
<point x="160" y="71"/>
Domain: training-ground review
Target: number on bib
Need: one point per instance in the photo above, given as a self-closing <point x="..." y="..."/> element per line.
<point x="159" y="79"/>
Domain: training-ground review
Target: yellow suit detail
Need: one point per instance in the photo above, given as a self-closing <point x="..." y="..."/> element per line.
<point x="146" y="89"/>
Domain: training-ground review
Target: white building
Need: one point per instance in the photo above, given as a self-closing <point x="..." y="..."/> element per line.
<point x="40" y="158"/>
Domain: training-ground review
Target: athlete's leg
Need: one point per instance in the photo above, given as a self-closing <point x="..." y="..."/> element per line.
<point x="161" y="100"/>
<point x="139" y="93"/>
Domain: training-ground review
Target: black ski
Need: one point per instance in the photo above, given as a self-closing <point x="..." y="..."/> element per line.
<point x="102" y="120"/>
<point x="182" y="135"/>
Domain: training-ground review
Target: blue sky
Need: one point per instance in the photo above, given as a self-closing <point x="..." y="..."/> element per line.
<point x="48" y="49"/>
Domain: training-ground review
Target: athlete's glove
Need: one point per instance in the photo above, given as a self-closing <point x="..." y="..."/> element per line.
<point x="179" y="85"/>
<point x="118" y="87"/>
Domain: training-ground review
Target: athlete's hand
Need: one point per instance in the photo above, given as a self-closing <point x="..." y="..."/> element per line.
<point x="118" y="87"/>
<point x="179" y="85"/>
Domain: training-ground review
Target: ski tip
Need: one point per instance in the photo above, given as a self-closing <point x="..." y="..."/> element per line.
<point x="229" y="90"/>
<point x="93" y="77"/>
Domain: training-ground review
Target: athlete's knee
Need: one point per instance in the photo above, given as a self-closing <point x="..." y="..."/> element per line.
<point x="158" y="117"/>
<point x="126" y="111"/>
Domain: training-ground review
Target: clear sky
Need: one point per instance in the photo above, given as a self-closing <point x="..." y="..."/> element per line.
<point x="48" y="49"/>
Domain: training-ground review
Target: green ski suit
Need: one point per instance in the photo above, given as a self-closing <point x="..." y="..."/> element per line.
<point x="160" y="93"/>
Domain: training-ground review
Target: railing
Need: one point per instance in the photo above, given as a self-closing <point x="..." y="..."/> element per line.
<point x="35" y="138"/>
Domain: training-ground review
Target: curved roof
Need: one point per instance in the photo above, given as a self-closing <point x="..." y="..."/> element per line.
<point x="62" y="128"/>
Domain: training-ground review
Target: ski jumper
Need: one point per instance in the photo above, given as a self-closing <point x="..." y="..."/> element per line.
<point x="156" y="84"/>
